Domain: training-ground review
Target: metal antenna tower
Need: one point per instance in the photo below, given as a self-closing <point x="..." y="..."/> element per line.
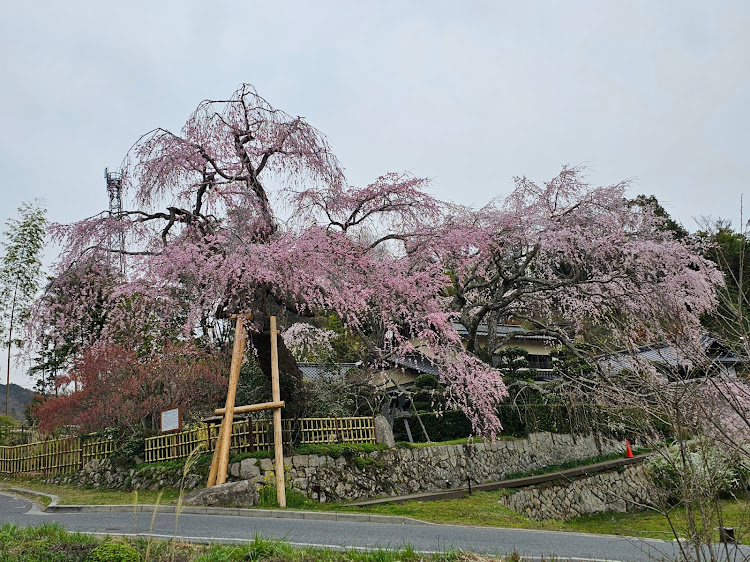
<point x="114" y="190"/>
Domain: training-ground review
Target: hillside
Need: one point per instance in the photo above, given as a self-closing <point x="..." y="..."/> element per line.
<point x="19" y="399"/>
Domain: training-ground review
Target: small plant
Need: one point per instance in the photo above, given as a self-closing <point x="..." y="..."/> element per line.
<point x="294" y="499"/>
<point x="258" y="549"/>
<point x="113" y="552"/>
<point x="151" y="528"/>
<point x="364" y="462"/>
<point x="189" y="462"/>
<point x="514" y="557"/>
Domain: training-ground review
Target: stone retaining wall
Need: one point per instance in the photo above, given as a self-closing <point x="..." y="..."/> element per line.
<point x="380" y="473"/>
<point x="428" y="469"/>
<point x="619" y="490"/>
<point x="101" y="474"/>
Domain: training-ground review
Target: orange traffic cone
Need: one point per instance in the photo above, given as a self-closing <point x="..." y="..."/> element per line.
<point x="628" y="450"/>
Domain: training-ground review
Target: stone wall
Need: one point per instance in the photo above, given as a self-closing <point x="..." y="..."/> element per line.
<point x="380" y="473"/>
<point x="101" y="474"/>
<point x="421" y="469"/>
<point x="626" y="489"/>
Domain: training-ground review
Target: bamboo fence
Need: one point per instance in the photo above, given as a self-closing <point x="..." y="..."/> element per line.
<point x="252" y="435"/>
<point x="54" y="456"/>
<point x="69" y="454"/>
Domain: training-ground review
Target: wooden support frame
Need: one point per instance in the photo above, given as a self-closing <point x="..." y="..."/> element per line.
<point x="220" y="462"/>
<point x="278" y="446"/>
<point x="252" y="408"/>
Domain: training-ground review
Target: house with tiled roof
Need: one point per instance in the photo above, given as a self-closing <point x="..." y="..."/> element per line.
<point x="674" y="362"/>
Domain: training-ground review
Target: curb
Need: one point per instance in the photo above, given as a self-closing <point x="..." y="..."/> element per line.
<point x="54" y="500"/>
<point x="239" y="512"/>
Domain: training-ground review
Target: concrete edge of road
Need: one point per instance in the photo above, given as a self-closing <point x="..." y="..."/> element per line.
<point x="54" y="500"/>
<point x="55" y="507"/>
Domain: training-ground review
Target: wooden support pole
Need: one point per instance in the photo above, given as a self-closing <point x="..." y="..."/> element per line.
<point x="252" y="408"/>
<point x="278" y="446"/>
<point x="215" y="461"/>
<point x="218" y="472"/>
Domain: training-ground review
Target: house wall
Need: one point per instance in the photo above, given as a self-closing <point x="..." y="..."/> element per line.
<point x="534" y="347"/>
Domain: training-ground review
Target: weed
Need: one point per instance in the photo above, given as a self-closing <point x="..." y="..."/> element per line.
<point x="363" y="462"/>
<point x="294" y="499"/>
<point x="258" y="549"/>
<point x="151" y="528"/>
<point x="113" y="552"/>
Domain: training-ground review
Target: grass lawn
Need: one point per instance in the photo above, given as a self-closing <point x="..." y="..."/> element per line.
<point x="72" y="495"/>
<point x="483" y="509"/>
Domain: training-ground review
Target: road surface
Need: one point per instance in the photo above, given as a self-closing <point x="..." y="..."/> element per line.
<point x="348" y="534"/>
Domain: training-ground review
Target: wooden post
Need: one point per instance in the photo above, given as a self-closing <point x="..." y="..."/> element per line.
<point x="278" y="445"/>
<point x="252" y="408"/>
<point x="218" y="472"/>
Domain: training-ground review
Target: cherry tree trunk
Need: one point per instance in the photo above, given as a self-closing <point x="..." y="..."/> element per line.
<point x="290" y="375"/>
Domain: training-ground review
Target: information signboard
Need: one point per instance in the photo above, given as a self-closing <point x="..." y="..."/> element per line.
<point x="171" y="420"/>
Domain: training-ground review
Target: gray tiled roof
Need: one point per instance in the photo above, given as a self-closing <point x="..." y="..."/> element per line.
<point x="416" y="362"/>
<point x="668" y="355"/>
<point x="502" y="330"/>
<point x="314" y="371"/>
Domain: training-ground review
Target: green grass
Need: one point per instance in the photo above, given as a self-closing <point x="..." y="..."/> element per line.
<point x="72" y="495"/>
<point x="294" y="499"/>
<point x="483" y="509"/>
<point x="49" y="542"/>
<point x="52" y="543"/>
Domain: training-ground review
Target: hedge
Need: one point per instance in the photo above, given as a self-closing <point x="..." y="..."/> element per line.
<point x="530" y="418"/>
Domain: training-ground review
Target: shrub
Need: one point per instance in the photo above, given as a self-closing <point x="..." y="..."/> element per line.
<point x="444" y="426"/>
<point x="692" y="473"/>
<point x="127" y="452"/>
<point x="520" y="421"/>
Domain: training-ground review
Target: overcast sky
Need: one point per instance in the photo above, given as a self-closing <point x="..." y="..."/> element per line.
<point x="468" y="93"/>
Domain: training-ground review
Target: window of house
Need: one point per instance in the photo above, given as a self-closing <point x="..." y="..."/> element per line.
<point x="539" y="361"/>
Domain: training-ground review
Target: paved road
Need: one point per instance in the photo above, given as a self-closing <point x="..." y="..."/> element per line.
<point x="348" y="534"/>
